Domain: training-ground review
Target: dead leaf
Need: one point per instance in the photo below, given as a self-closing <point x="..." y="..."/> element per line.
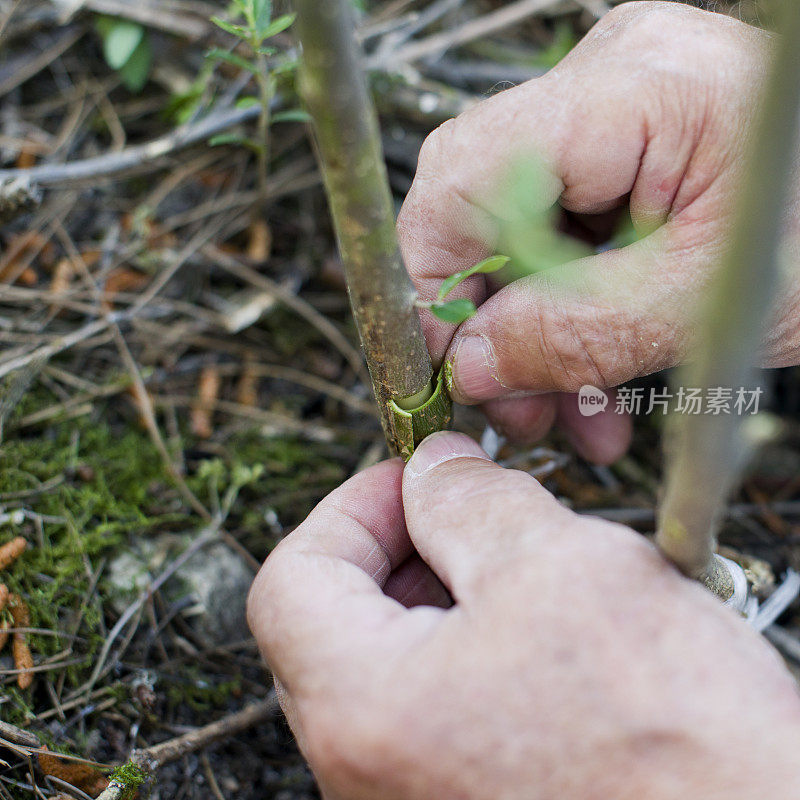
<point x="202" y="408"/>
<point x="247" y="388"/>
<point x="11" y="551"/>
<point x="22" y="660"/>
<point x="82" y="776"/>
<point x="259" y="243"/>
<point x="122" y="279"/>
<point x="26" y="158"/>
<point x="20" y="251"/>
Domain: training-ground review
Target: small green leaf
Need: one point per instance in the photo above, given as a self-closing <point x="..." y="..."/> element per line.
<point x="291" y="115"/>
<point x="247" y="102"/>
<point x="135" y="71"/>
<point x="120" y="42"/>
<point x="262" y="13"/>
<point x="454" y="311"/>
<point x="277" y="25"/>
<point x="236" y="30"/>
<point x="491" y="264"/>
<point x="236" y="138"/>
<point x="226" y="138"/>
<point x="285" y="67"/>
<point x="218" y="54"/>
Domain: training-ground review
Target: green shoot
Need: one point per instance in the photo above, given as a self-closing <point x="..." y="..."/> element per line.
<point x="457" y="311"/>
<point x="491" y="264"/>
<point x="253" y="24"/>
<point x="454" y="311"/>
<point x="525" y="218"/>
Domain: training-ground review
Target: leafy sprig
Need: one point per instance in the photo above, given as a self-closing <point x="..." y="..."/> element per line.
<point x="457" y="311"/>
<point x="255" y="29"/>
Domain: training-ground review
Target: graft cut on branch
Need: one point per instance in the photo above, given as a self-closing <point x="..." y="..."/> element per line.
<point x="382" y="297"/>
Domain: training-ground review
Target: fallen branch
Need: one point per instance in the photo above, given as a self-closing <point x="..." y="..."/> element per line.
<point x="485" y="25"/>
<point x="145" y="763"/>
<point x="151" y="15"/>
<point x="131" y="160"/>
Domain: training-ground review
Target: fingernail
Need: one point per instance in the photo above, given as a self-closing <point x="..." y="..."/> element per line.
<point x="474" y="370"/>
<point x="443" y="446"/>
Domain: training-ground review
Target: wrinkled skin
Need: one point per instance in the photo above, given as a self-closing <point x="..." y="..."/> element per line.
<point x="451" y="631"/>
<point x="574" y="664"/>
<point x="652" y="108"/>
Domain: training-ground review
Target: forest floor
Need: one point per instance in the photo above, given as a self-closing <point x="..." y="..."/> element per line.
<point x="180" y="380"/>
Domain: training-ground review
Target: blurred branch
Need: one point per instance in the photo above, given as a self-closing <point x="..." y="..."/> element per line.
<point x="485" y="25"/>
<point x="419" y="100"/>
<point x="417" y="21"/>
<point x="707" y="453"/>
<point x="31" y="63"/>
<point x="131" y="160"/>
<point x="182" y="19"/>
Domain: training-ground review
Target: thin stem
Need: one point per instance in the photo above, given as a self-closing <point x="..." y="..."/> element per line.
<point x="707" y="453"/>
<point x="348" y="140"/>
<point x="265" y="96"/>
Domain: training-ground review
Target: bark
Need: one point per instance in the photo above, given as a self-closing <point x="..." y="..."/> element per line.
<point x="382" y="297"/>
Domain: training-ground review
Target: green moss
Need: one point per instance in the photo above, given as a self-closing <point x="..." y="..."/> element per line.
<point x="83" y="488"/>
<point x="93" y="487"/>
<point x="295" y="476"/>
<point x="201" y="692"/>
<point x="130" y="777"/>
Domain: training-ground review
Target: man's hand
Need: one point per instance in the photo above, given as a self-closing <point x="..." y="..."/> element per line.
<point x="572" y="663"/>
<point x="652" y="109"/>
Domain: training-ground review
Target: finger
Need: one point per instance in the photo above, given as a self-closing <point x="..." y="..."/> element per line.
<point x="602" y="438"/>
<point x="522" y="419"/>
<point x="591" y="133"/>
<point x="601" y="320"/>
<point x="465" y="514"/>
<point x="414" y="583"/>
<point x="316" y="607"/>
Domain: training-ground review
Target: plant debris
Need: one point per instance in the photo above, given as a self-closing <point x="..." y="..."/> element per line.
<point x="180" y="374"/>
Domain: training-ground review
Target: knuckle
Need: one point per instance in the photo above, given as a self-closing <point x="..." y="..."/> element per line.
<point x="638" y="17"/>
<point x="428" y="194"/>
<point x="257" y="597"/>
<point x="476" y="497"/>
<point x="435" y="148"/>
<point x="432" y="174"/>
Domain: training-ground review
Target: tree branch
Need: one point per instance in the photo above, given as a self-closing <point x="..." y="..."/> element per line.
<point x="707" y="453"/>
<point x="348" y="139"/>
